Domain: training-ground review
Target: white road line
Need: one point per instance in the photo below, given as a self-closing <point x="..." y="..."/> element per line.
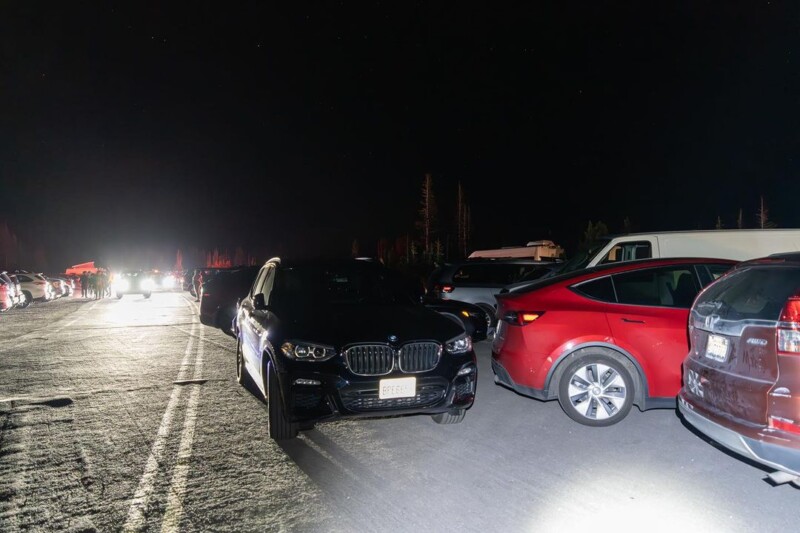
<point x="177" y="488"/>
<point x="141" y="498"/>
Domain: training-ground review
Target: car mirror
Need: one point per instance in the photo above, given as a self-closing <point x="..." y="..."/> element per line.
<point x="259" y="304"/>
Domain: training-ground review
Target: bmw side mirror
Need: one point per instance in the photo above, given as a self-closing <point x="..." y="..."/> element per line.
<point x="259" y="304"/>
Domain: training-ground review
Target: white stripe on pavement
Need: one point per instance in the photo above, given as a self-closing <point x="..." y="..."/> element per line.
<point x="141" y="498"/>
<point x="177" y="487"/>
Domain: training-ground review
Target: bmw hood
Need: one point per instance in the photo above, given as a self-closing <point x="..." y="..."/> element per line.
<point x="340" y="325"/>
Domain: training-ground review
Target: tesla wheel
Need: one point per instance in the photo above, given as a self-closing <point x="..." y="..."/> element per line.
<point x="451" y="417"/>
<point x="146" y="295"/>
<point x="279" y="427"/>
<point x="596" y="390"/>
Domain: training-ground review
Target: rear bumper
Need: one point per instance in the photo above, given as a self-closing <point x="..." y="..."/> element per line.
<point x="735" y="438"/>
<point x="503" y="378"/>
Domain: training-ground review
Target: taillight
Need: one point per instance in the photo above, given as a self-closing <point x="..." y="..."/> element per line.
<point x="521" y="318"/>
<point x="443" y="288"/>
<point x="789" y="327"/>
<point x="784" y="424"/>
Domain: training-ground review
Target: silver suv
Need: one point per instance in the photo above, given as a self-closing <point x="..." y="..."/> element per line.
<point x="476" y="281"/>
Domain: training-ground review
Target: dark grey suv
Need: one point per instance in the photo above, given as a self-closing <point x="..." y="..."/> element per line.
<point x="477" y="281"/>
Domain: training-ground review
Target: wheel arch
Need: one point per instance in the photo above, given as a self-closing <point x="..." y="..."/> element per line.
<point x="637" y="372"/>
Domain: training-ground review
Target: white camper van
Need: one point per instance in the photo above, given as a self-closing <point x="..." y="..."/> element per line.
<point x="736" y="244"/>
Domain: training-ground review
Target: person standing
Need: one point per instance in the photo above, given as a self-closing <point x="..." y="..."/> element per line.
<point x="85" y="285"/>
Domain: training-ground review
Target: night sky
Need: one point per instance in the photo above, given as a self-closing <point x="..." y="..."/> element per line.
<point x="294" y="127"/>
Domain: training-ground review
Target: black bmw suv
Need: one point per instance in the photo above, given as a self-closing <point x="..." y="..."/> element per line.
<point x="332" y="339"/>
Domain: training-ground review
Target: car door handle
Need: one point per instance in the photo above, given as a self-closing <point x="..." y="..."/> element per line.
<point x="632" y="321"/>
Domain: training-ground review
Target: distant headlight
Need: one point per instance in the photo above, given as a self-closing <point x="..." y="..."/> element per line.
<point x="121" y="285"/>
<point x="168" y="282"/>
<point x="458" y="345"/>
<point x="307" y="351"/>
<point x="148" y="284"/>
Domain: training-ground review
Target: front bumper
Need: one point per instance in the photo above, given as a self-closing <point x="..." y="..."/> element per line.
<point x="779" y="452"/>
<point x="325" y="395"/>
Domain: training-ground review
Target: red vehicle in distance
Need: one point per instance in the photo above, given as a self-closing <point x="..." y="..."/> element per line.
<point x="602" y="339"/>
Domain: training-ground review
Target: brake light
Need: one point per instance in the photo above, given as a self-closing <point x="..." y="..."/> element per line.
<point x="521" y="318"/>
<point x="784" y="424"/>
<point x="444" y="288"/>
<point x="789" y="327"/>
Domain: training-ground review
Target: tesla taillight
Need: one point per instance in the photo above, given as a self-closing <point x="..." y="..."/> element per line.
<point x="521" y="318"/>
<point x="789" y="327"/>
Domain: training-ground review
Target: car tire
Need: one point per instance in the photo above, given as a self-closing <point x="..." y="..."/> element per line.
<point x="279" y="427"/>
<point x="119" y="296"/>
<point x="596" y="390"/>
<point x="28" y="299"/>
<point x="242" y="376"/>
<point x="450" y="417"/>
<point x="146" y="295"/>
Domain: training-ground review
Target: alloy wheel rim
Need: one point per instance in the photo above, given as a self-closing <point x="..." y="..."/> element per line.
<point x="597" y="391"/>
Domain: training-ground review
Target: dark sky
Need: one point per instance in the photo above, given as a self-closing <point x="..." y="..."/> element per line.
<point x="295" y="126"/>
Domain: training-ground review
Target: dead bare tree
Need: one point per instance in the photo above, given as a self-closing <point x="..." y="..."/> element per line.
<point x="763" y="216"/>
<point x="427" y="215"/>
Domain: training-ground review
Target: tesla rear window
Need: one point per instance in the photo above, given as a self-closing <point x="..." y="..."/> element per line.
<point x="599" y="289"/>
<point x="757" y="293"/>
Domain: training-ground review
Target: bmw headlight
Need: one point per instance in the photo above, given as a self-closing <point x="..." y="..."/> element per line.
<point x="461" y="344"/>
<point x="307" y="351"/>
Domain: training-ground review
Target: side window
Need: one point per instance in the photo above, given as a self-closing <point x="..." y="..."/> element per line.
<point x="26" y="279"/>
<point x="598" y="289"/>
<point x="269" y="281"/>
<point x="710" y="273"/>
<point x="628" y="251"/>
<point x="256" y="288"/>
<point x="669" y="287"/>
<point x="470" y="274"/>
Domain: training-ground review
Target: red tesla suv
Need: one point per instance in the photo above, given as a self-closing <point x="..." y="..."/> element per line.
<point x="602" y="339"/>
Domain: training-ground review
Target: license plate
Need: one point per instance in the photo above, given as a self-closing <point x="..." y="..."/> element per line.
<point x="717" y="348"/>
<point x="397" y="388"/>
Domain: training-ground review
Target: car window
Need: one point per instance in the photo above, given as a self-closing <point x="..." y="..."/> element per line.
<point x="26" y="279"/>
<point x="712" y="272"/>
<point x="499" y="274"/>
<point x="256" y="288"/>
<point x="665" y="286"/>
<point x="757" y="293"/>
<point x="628" y="251"/>
<point x="597" y="289"/>
<point x="267" y="283"/>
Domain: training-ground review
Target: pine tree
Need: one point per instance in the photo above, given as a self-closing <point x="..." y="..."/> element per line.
<point x="740" y="220"/>
<point x="427" y="216"/>
<point x="763" y="216"/>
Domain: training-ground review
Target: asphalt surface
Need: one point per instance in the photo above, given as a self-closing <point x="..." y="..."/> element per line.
<point x="124" y="415"/>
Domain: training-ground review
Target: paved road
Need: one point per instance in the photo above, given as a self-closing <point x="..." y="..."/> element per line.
<point x="125" y="416"/>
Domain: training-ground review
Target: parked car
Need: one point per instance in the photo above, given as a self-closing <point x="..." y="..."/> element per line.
<point x="345" y="340"/>
<point x="22" y="300"/>
<point x="220" y="295"/>
<point x="603" y="339"/>
<point x="14" y="289"/>
<point x="477" y="281"/>
<point x="734" y="244"/>
<point x="742" y="371"/>
<point x="133" y="282"/>
<point x="474" y="319"/>
<point x="6" y="301"/>
<point x="35" y="286"/>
